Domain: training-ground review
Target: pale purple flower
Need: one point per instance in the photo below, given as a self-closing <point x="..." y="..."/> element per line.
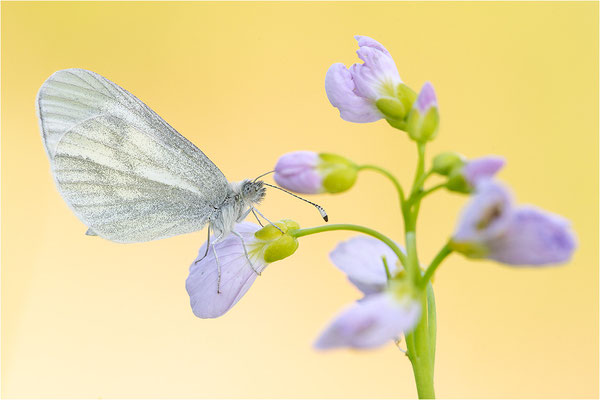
<point x="297" y="171"/>
<point x="482" y="168"/>
<point x="492" y="227"/>
<point x="371" y="322"/>
<point x="426" y="99"/>
<point x="535" y="237"/>
<point x="236" y="274"/>
<point x="360" y="258"/>
<point x="385" y="312"/>
<point x="354" y="91"/>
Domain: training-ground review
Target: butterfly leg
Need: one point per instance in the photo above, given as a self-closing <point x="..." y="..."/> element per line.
<point x="207" y="246"/>
<point x="259" y="213"/>
<point x="218" y="269"/>
<point x="256" y="216"/>
<point x="246" y="252"/>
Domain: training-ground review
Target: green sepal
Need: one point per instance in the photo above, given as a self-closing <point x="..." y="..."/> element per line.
<point x="281" y="248"/>
<point x="391" y="108"/>
<point x="423" y="128"/>
<point x="340" y="180"/>
<point x="457" y="182"/>
<point x="397" y="124"/>
<point x="339" y="173"/>
<point x="470" y="249"/>
<point x="330" y="158"/>
<point x="406" y="95"/>
<point x="270" y="232"/>
<point x="445" y="162"/>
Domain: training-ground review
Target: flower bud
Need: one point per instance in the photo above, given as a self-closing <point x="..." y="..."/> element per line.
<point x="311" y="173"/>
<point x="464" y="176"/>
<point x="424" y="119"/>
<point x="275" y="245"/>
<point x="444" y="163"/>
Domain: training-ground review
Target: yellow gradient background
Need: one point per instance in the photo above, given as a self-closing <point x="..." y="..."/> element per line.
<point x="84" y="317"/>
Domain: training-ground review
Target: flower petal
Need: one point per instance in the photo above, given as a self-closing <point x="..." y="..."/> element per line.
<point x="378" y="76"/>
<point x="370" y="322"/>
<point x="236" y="274"/>
<point x="297" y="172"/>
<point x="478" y="169"/>
<point x="487" y="216"/>
<point x="365" y="41"/>
<point x="534" y="237"/>
<point x="361" y="259"/>
<point x="340" y="89"/>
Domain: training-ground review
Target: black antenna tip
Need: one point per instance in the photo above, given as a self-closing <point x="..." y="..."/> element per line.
<point x="326" y="218"/>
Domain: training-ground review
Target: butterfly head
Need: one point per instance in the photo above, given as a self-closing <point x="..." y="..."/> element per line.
<point x="253" y="191"/>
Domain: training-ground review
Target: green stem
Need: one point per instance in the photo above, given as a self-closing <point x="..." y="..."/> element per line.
<point x="431" y="321"/>
<point x="390" y="176"/>
<point x="349" y="227"/>
<point x="423" y="361"/>
<point x="437" y="260"/>
<point x="420" y="173"/>
<point x="421" y="342"/>
<point x="427" y="192"/>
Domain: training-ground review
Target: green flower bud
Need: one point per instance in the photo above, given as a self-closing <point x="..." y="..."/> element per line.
<point x="443" y="163"/>
<point x="272" y="244"/>
<point x="423" y="128"/>
<point x="339" y="173"/>
<point x="457" y="181"/>
<point x="424" y="118"/>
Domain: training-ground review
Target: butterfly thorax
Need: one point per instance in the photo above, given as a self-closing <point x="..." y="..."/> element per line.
<point x="241" y="198"/>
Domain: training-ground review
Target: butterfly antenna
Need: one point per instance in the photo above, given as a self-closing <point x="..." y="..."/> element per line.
<point x="321" y="209"/>
<point x="260" y="176"/>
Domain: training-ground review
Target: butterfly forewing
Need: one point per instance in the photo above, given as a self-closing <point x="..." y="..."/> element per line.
<point x="123" y="170"/>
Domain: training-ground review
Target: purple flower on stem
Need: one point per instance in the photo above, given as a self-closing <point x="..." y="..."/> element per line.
<point x="464" y="175"/>
<point x="236" y="274"/>
<point x="361" y="259"/>
<point x="492" y="227"/>
<point x="371" y="322"/>
<point x="310" y="173"/>
<point x="356" y="90"/>
<point x="385" y="312"/>
<point x="264" y="246"/>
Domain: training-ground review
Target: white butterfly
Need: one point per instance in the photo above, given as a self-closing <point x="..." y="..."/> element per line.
<point x="125" y="172"/>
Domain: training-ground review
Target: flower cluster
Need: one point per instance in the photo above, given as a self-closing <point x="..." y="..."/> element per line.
<point x="397" y="293"/>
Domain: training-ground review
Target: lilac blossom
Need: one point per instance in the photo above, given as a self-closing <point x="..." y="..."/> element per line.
<point x="491" y="226"/>
<point x="355" y="91"/>
<point x="211" y="298"/>
<point x="386" y="311"/>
